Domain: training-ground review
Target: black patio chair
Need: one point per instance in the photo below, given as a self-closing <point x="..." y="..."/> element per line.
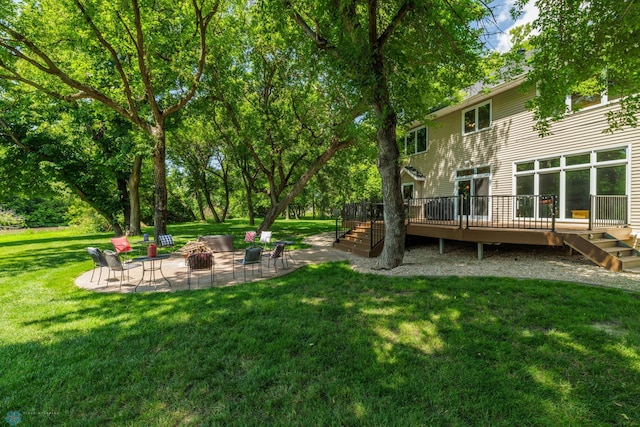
<point x="116" y="265"/>
<point x="252" y="256"/>
<point x="99" y="261"/>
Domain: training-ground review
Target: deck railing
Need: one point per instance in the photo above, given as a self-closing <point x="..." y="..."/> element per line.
<point x="522" y="211"/>
<point x="608" y="211"/>
<point x="538" y="212"/>
<point x="353" y="214"/>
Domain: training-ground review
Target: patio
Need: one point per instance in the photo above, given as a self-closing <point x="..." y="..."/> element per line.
<point x="176" y="272"/>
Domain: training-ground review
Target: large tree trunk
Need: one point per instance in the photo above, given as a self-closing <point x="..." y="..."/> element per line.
<point x="388" y="156"/>
<point x="123" y="199"/>
<point x="274" y="211"/>
<point x="246" y="180"/>
<point x="134" y="197"/>
<point x="389" y="169"/>
<point x="160" y="178"/>
<point x="200" y="205"/>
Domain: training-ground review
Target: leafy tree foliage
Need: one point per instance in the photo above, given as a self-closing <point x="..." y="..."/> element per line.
<point x="284" y="124"/>
<point x="590" y="47"/>
<point x="142" y="59"/>
<point x="44" y="144"/>
<point x="403" y="55"/>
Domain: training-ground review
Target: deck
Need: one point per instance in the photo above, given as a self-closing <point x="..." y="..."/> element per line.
<point x="499" y="234"/>
<point x="611" y="248"/>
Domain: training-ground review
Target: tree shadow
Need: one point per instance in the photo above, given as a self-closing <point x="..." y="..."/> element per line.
<point x="328" y="344"/>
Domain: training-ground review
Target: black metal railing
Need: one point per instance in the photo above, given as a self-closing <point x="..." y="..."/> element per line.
<point x="521" y="211"/>
<point x="354" y="214"/>
<point x="538" y="212"/>
<point x="608" y="211"/>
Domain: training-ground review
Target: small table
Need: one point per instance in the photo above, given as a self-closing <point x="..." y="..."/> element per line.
<point x="144" y="244"/>
<point x="286" y="254"/>
<point x="149" y="264"/>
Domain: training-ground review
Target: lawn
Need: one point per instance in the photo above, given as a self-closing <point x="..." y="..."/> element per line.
<point x="321" y="346"/>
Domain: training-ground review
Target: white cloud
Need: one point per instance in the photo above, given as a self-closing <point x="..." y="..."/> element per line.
<point x="530" y="13"/>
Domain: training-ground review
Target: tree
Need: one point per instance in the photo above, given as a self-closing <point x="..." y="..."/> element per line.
<point x="142" y="59"/>
<point x="280" y="123"/>
<point x="591" y="47"/>
<point x="50" y="145"/>
<point x="195" y="147"/>
<point x="403" y="55"/>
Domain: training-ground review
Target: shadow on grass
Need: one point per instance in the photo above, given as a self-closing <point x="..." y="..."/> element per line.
<point x="330" y="346"/>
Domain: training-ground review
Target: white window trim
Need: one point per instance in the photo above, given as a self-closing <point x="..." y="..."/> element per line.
<point x="475" y="107"/>
<point x="604" y="100"/>
<point x="413" y="189"/>
<point x="414" y="132"/>
<point x="593" y="165"/>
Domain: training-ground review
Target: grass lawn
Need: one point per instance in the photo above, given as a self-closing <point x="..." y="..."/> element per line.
<point x="320" y="346"/>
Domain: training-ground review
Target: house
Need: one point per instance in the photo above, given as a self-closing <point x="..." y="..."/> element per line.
<point x="480" y="172"/>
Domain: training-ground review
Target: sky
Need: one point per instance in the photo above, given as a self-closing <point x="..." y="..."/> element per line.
<point x="498" y="31"/>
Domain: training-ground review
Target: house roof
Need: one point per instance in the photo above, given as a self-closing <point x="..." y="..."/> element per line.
<point x="479" y="92"/>
<point x="415" y="173"/>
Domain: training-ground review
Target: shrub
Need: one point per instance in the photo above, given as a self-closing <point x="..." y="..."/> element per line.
<point x="9" y="219"/>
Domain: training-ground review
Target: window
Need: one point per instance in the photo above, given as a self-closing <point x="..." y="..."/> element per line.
<point x="550" y="163"/>
<point x="589" y="93"/>
<point x="416" y="141"/>
<point x="573" y="178"/>
<point x="407" y="191"/>
<point x="476" y="118"/>
<point x="580" y="101"/>
<point x="579" y="159"/>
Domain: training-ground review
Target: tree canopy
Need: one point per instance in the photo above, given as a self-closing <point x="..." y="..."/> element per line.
<point x="142" y="59"/>
<point x="395" y="56"/>
<point x="588" y="47"/>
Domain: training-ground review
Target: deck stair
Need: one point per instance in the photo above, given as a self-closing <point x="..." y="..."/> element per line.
<point x="358" y="241"/>
<point x="611" y="249"/>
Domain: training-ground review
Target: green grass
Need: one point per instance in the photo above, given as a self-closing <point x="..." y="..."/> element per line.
<point x="320" y="346"/>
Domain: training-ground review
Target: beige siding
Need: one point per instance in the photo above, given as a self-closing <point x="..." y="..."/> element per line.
<point x="512" y="138"/>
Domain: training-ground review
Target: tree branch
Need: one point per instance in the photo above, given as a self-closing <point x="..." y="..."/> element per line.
<point x="406" y="7"/>
<point x="142" y="65"/>
<point x="320" y="42"/>
<point x="203" y="24"/>
<point x="52" y="69"/>
<point x="114" y="55"/>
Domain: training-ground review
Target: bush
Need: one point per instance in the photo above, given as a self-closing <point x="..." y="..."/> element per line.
<point x="84" y="217"/>
<point x="9" y="219"/>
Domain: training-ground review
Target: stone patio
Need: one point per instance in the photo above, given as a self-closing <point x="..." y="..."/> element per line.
<point x="228" y="271"/>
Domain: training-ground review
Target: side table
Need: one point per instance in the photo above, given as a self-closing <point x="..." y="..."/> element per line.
<point x="151" y="265"/>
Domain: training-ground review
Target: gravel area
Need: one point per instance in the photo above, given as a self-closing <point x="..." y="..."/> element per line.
<point x="519" y="261"/>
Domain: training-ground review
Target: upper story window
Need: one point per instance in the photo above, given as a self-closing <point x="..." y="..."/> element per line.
<point x="591" y="93"/>
<point x="476" y="118"/>
<point x="416" y="141"/>
<point x="578" y="101"/>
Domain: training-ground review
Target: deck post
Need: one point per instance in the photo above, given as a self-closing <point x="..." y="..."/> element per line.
<point x="441" y="244"/>
<point x="480" y="251"/>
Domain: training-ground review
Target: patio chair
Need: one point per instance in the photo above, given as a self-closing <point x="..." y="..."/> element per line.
<point x="99" y="261"/>
<point x="252" y="256"/>
<point x="277" y="252"/>
<point x="250" y="238"/>
<point x="200" y="261"/>
<point x="116" y="265"/>
<point x="265" y="238"/>
<point x="121" y="245"/>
